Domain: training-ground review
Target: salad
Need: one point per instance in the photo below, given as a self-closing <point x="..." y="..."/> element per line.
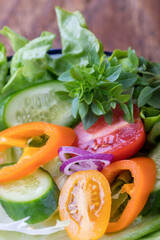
<point x="79" y="140"/>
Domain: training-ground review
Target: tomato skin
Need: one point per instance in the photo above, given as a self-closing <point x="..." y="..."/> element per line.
<point x="122" y="139"/>
<point x="85" y="200"/>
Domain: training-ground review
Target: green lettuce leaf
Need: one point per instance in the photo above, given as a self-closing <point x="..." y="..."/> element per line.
<point x="3" y="65"/>
<point x="16" y="40"/>
<point x="77" y="41"/>
<point x="19" y="230"/>
<point x="35" y="50"/>
<point x="29" y="65"/>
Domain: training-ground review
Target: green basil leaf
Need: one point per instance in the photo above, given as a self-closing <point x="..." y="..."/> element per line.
<point x="123" y="98"/>
<point x="127" y="115"/>
<point x="114" y="61"/>
<point x="154" y="101"/>
<point x="113" y="104"/>
<point x="89" y="119"/>
<point x="153" y="67"/>
<point x="66" y="77"/>
<point x="113" y="73"/>
<point x="133" y="58"/>
<point x="70" y="86"/>
<point x="97" y="108"/>
<point x="109" y="117"/>
<point x="127" y="79"/>
<point x="116" y="91"/>
<point x="146" y="95"/>
<point x="75" y="106"/>
<point x="76" y="74"/>
<point x="130" y="108"/>
<point x="88" y="97"/>
<point x="106" y="106"/>
<point x="83" y="109"/>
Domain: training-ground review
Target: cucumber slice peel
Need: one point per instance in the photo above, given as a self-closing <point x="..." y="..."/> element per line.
<point x="37" y="103"/>
<point x="35" y="196"/>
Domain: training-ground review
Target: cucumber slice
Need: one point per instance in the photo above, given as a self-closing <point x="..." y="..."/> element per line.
<point x="35" y="196"/>
<point x="37" y="103"/>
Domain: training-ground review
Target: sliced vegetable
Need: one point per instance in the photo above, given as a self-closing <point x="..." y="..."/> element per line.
<point x="122" y="139"/>
<point x="132" y="192"/>
<point x="70" y="150"/>
<point x="85" y="200"/>
<point x="86" y="162"/>
<point x="83" y="161"/>
<point x="34" y="196"/>
<point x="37" y="103"/>
<point x="33" y="157"/>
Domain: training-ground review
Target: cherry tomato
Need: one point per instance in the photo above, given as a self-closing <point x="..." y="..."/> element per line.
<point x="85" y="200"/>
<point x="122" y="139"/>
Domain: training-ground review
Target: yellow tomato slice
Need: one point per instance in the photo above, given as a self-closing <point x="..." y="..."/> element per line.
<point x="85" y="200"/>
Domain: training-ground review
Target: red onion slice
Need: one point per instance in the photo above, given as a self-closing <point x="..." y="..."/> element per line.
<point x="71" y="150"/>
<point x="92" y="162"/>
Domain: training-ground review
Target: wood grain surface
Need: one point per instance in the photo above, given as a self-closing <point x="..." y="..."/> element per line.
<point x="117" y="23"/>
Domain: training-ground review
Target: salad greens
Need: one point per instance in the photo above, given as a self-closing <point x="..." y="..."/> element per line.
<point x="95" y="83"/>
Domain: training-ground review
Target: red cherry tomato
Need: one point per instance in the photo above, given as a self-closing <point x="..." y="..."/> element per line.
<point x="122" y="139"/>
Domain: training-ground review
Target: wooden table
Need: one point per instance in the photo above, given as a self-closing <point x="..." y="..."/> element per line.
<point x="117" y="23"/>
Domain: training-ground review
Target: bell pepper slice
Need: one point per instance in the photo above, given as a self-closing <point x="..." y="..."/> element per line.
<point x="133" y="194"/>
<point x="32" y="157"/>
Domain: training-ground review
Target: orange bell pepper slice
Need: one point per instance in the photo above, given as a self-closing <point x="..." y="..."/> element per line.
<point x="143" y="172"/>
<point x="32" y="157"/>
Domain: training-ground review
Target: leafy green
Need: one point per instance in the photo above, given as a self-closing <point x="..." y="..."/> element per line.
<point x="16" y="40"/>
<point x="150" y="116"/>
<point x="34" y="51"/>
<point x="146" y="95"/>
<point x="3" y="65"/>
<point x="154" y="134"/>
<point x="96" y="90"/>
<point x="21" y="230"/>
<point x="129" y="60"/>
<point x="76" y="39"/>
<point x="127" y="79"/>
<point x="29" y="65"/>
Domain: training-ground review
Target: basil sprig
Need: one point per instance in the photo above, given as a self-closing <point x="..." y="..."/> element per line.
<point x="104" y="82"/>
